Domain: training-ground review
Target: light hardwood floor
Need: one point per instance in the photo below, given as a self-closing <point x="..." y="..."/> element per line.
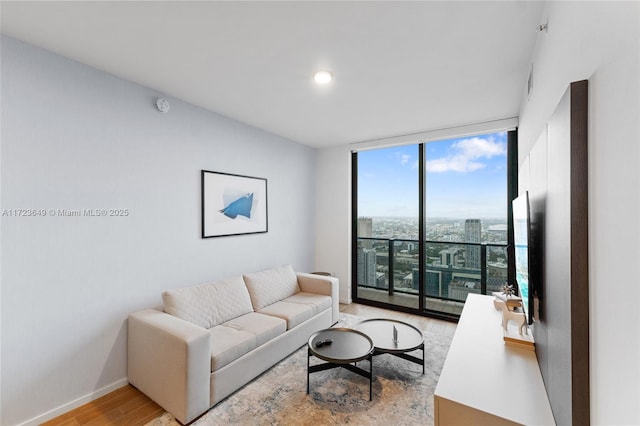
<point x="125" y="406"/>
<point x="128" y="406"/>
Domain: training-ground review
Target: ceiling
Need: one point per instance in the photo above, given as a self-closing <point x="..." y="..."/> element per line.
<point x="399" y="67"/>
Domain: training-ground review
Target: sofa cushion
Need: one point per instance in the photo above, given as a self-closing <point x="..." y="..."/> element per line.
<point x="293" y="313"/>
<point x="270" y="286"/>
<point x="239" y="336"/>
<point x="318" y="302"/>
<point x="264" y="327"/>
<point x="210" y="304"/>
<point x="229" y="344"/>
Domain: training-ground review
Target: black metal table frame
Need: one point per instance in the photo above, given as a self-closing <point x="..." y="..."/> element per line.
<point x="405" y="355"/>
<point x="353" y="368"/>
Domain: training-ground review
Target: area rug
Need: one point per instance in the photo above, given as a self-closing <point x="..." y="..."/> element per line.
<point x="402" y="395"/>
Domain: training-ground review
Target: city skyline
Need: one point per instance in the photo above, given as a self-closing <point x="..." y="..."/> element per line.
<point x="465" y="178"/>
<point x="445" y="230"/>
<point x="453" y="268"/>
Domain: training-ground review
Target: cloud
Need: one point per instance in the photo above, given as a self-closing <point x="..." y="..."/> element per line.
<point x="478" y="148"/>
<point x="453" y="164"/>
<point x="465" y="154"/>
<point x="402" y="158"/>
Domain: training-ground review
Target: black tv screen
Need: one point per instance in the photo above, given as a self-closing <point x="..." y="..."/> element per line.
<point x="522" y="242"/>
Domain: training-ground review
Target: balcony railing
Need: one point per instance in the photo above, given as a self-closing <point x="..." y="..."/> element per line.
<point x="452" y="269"/>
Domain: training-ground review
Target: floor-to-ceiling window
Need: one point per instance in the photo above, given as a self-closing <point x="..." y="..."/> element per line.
<point x="431" y="222"/>
<point x="387" y="225"/>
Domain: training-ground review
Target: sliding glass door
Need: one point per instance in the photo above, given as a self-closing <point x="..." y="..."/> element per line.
<point x="431" y="223"/>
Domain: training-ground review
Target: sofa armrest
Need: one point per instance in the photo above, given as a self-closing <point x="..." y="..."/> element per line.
<point x="169" y="359"/>
<point x="320" y="284"/>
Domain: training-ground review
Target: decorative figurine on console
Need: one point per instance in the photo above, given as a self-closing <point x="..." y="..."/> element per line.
<point x="518" y="317"/>
<point x="510" y="306"/>
<point x="510" y="314"/>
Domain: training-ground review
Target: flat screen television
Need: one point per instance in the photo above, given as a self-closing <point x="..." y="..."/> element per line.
<point x="522" y="242"/>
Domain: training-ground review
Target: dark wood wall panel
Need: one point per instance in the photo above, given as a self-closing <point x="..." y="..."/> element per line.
<point x="579" y="254"/>
<point x="559" y="205"/>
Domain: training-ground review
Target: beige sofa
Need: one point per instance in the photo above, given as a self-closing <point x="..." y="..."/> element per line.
<point x="212" y="339"/>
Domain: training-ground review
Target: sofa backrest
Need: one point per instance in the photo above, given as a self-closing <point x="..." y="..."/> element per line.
<point x="272" y="285"/>
<point x="211" y="304"/>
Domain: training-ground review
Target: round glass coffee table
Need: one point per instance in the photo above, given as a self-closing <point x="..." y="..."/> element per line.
<point x="406" y="338"/>
<point x="341" y="347"/>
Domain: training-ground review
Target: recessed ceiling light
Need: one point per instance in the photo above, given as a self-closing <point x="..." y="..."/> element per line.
<point x="322" y="77"/>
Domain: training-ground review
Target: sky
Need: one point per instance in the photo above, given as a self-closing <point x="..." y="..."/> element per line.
<point x="465" y="178"/>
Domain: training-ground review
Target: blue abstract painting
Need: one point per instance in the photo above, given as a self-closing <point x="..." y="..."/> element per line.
<point x="241" y="206"/>
<point x="233" y="204"/>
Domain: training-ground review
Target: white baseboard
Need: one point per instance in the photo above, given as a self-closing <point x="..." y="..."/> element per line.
<point x="345" y="301"/>
<point x="75" y="403"/>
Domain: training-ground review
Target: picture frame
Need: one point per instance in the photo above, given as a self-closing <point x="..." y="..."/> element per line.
<point x="233" y="204"/>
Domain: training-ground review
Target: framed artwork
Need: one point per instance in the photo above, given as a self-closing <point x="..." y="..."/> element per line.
<point x="233" y="204"/>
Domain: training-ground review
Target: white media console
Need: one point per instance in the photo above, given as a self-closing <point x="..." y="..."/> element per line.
<point x="484" y="381"/>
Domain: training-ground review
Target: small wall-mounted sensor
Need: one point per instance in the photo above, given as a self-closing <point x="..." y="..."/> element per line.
<point x="543" y="28"/>
<point x="162" y="104"/>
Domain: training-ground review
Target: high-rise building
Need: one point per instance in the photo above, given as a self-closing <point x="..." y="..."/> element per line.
<point x="366" y="267"/>
<point x="451" y="282"/>
<point x="449" y="256"/>
<point x="365" y="230"/>
<point x="472" y="234"/>
<point x="436" y="281"/>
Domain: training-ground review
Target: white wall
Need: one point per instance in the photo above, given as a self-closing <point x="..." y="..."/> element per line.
<point x="599" y="41"/>
<point x="77" y="138"/>
<point x="333" y="222"/>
